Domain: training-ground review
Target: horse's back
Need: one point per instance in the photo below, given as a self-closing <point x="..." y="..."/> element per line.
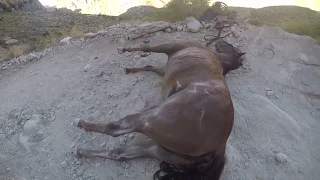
<point x="189" y="65"/>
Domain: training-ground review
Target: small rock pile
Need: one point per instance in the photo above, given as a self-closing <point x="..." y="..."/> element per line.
<point x="121" y="33"/>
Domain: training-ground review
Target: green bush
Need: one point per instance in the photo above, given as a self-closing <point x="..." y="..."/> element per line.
<point x="177" y="10"/>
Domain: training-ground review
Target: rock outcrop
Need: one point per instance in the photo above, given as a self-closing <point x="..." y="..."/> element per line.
<point x="113" y="8"/>
<point x="28" y="5"/>
<point x="193" y="25"/>
<point x="147" y="28"/>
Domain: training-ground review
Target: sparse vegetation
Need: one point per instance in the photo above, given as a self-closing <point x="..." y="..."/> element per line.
<point x="15" y="51"/>
<point x="39" y="30"/>
<point x="303" y="28"/>
<point x="180" y="9"/>
<point x="294" y="19"/>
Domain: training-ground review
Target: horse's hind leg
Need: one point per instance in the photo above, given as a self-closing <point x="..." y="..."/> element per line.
<point x="168" y="49"/>
<point x="141" y="146"/>
<point x="136" y="148"/>
<point x="159" y="71"/>
<point x="165" y="48"/>
<point x="123" y="126"/>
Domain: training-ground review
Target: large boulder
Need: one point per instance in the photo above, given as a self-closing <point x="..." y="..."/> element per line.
<point x="287" y="59"/>
<point x="147" y="28"/>
<point x="193" y="25"/>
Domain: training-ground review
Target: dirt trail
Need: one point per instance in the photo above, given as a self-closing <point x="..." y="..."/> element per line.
<point x="275" y="135"/>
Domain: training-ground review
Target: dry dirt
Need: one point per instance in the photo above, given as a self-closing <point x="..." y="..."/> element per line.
<point x="275" y="94"/>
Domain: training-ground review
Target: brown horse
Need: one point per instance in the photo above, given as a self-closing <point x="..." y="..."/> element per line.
<point x="189" y="130"/>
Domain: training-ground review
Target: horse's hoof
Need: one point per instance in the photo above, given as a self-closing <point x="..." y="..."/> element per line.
<point x="78" y="152"/>
<point x="120" y="50"/>
<point x="126" y="70"/>
<point x="75" y="122"/>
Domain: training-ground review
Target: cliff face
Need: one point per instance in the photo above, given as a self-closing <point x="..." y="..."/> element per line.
<point x="28" y="5"/>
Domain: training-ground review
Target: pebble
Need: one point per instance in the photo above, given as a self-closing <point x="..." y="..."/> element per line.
<point x="131" y="136"/>
<point x="281" y="158"/>
<point x="270" y="93"/>
<point x="126" y="165"/>
<point x="87" y="68"/>
<point x="122" y="141"/>
<point x="122" y="41"/>
<point x="90" y="35"/>
<point x="269" y="160"/>
<point x="79" y="162"/>
<point x="31" y="57"/>
<point x="40" y="133"/>
<point x="12" y="42"/>
<point x="65" y="41"/>
<point x="168" y="30"/>
<point x="100" y="74"/>
<point x="207" y="26"/>
<point x="110" y="112"/>
<point x="74" y="151"/>
<point x="97" y="165"/>
<point x="103" y="144"/>
<point x="173" y="27"/>
<point x="179" y="28"/>
<point x="64" y="164"/>
<point x="75" y="122"/>
<point x="316" y="114"/>
<point x="72" y="145"/>
<point x="109" y="178"/>
<point x="80" y="172"/>
<point x="10" y="132"/>
<point x="2" y="137"/>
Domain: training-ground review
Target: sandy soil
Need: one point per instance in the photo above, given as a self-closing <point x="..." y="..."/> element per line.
<point x="275" y="94"/>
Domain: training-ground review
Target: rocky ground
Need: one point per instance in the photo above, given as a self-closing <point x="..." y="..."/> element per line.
<point x="275" y="94"/>
<point x="36" y="30"/>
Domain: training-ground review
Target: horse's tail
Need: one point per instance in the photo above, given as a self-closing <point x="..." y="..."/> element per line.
<point x="211" y="170"/>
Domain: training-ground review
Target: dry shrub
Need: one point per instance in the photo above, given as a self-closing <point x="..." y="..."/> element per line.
<point x="76" y="32"/>
<point x="304" y="28"/>
<point x="177" y="10"/>
<point x="15" y="51"/>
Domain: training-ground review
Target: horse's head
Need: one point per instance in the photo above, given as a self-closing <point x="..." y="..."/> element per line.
<point x="230" y="57"/>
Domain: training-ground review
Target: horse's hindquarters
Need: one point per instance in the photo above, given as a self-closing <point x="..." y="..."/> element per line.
<point x="195" y="121"/>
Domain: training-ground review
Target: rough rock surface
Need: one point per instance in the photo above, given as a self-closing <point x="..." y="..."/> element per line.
<point x="29" y="5"/>
<point x="90" y="35"/>
<point x="65" y="41"/>
<point x="193" y="25"/>
<point x="11" y="42"/>
<point x="39" y="100"/>
<point x="147" y="28"/>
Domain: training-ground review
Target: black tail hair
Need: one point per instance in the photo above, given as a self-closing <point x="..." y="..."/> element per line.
<point x="200" y="171"/>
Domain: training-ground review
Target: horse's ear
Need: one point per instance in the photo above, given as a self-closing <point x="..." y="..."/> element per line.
<point x="241" y="54"/>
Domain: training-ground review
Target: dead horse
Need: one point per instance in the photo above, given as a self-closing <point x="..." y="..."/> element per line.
<point x="188" y="132"/>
